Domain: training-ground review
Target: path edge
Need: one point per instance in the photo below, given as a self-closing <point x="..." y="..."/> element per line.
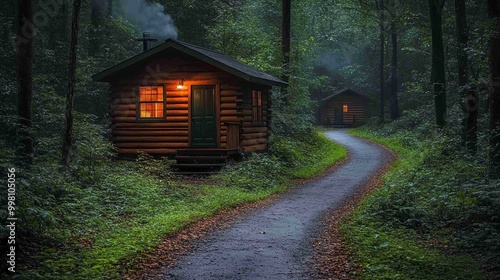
<point x="332" y="257"/>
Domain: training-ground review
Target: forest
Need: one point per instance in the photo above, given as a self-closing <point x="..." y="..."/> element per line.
<point x="430" y="68"/>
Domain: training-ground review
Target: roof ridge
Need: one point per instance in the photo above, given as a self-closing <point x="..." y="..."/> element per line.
<point x="196" y="46"/>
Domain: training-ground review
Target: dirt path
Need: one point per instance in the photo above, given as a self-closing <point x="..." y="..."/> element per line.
<point x="275" y="242"/>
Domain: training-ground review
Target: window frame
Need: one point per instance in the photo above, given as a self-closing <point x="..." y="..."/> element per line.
<point x="257" y="109"/>
<point x="139" y="102"/>
<point x="345" y="108"/>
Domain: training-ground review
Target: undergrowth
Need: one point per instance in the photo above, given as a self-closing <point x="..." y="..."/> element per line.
<point x="91" y="222"/>
<point x="435" y="209"/>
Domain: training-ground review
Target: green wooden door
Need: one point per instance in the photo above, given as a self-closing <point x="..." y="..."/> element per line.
<point x="203" y="126"/>
<point x="338" y="114"/>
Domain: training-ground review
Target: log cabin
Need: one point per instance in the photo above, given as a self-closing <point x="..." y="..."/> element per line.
<point x="343" y="109"/>
<point x="184" y="100"/>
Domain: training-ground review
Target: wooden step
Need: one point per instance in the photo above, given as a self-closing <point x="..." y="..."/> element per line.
<point x="206" y="152"/>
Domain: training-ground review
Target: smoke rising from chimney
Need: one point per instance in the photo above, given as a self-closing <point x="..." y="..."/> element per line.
<point x="149" y="17"/>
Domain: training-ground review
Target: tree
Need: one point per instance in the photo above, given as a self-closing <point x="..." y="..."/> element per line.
<point x="24" y="47"/>
<point x="380" y="7"/>
<point x="470" y="104"/>
<point x="438" y="62"/>
<point x="494" y="89"/>
<point x="285" y="39"/>
<point x="70" y="95"/>
<point x="394" y="62"/>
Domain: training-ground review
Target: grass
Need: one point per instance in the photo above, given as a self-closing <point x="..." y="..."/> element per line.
<point x="128" y="210"/>
<point x="390" y="232"/>
<point x="323" y="154"/>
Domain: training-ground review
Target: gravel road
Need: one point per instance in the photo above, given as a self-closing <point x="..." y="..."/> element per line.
<point x="275" y="242"/>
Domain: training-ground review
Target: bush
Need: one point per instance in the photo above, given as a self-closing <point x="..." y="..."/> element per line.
<point x="435" y="191"/>
<point x="259" y="171"/>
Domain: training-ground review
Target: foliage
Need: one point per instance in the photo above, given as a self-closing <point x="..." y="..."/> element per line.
<point x="435" y="193"/>
<point x="307" y="155"/>
<point x="260" y="171"/>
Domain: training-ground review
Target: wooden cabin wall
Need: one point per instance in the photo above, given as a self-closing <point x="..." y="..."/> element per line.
<point x="153" y="137"/>
<point x="231" y="113"/>
<point x="355" y="116"/>
<point x="160" y="137"/>
<point x="164" y="136"/>
<point x="255" y="136"/>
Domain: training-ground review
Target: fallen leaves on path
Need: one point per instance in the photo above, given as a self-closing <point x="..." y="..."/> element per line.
<point x="333" y="259"/>
<point x="154" y="264"/>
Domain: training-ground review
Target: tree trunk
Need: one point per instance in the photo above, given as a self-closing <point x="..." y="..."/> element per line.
<point x="381" y="8"/>
<point x="285" y="39"/>
<point x="109" y="12"/>
<point x="394" y="73"/>
<point x="70" y="97"/>
<point x="470" y="95"/>
<point x="438" y="63"/>
<point x="494" y="90"/>
<point x="24" y="45"/>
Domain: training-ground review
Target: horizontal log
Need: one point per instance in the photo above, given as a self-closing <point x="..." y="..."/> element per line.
<point x="152" y="145"/>
<point x="177" y="113"/>
<point x="177" y="100"/>
<point x="123" y="113"/>
<point x="255" y="148"/>
<point x="251" y="124"/>
<point x="254" y="136"/>
<point x="149" y="151"/>
<point x="150" y="139"/>
<point x="119" y="100"/>
<point x="180" y="106"/>
<point x="229" y="119"/>
<point x="226" y="112"/>
<point x="229" y="87"/>
<point x="254" y="129"/>
<point x="177" y="93"/>
<point x="228" y="106"/>
<point x="230" y="93"/>
<point x="230" y="99"/>
<point x="124" y="94"/>
<point x="253" y="142"/>
<point x="124" y="120"/>
<point x="150" y="133"/>
<point x="150" y="124"/>
<point x="123" y="107"/>
<point x="177" y="118"/>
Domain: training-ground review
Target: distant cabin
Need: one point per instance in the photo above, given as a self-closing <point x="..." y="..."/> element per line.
<point x="344" y="108"/>
<point x="178" y="96"/>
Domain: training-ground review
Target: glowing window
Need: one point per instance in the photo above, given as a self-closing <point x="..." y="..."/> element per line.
<point x="345" y="108"/>
<point x="257" y="111"/>
<point x="151" y="102"/>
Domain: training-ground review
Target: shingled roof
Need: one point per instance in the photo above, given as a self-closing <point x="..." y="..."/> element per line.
<point x="345" y="91"/>
<point x="217" y="59"/>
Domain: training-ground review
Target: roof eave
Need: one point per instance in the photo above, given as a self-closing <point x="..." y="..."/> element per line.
<point x="106" y="75"/>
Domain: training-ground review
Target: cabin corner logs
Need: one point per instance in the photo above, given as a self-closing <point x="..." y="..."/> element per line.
<point x="209" y="101"/>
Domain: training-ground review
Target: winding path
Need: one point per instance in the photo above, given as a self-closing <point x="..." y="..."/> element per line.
<point x="275" y="242"/>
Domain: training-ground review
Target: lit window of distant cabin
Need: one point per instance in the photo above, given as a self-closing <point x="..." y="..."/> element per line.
<point x="257" y="112"/>
<point x="151" y="102"/>
<point x="346" y="108"/>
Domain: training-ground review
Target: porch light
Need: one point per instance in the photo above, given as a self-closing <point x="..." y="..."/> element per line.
<point x="181" y="84"/>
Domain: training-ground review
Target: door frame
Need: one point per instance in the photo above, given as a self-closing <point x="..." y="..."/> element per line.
<point x="216" y="87"/>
